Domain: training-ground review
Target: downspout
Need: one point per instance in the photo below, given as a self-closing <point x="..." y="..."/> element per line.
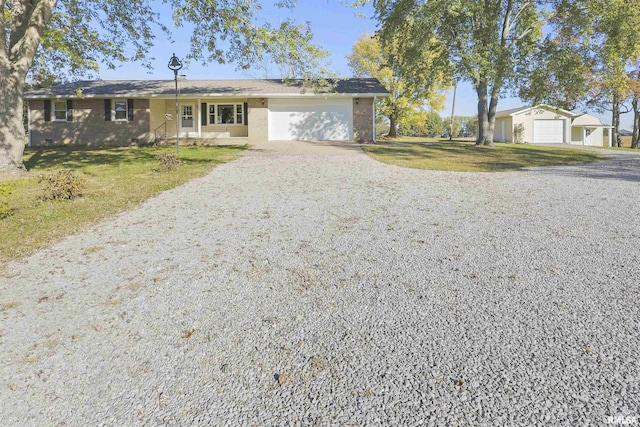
<point x="374" y="120"/>
<point x="198" y="108"/>
<point x="29" y="123"/>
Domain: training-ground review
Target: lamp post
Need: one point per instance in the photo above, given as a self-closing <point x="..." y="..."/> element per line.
<point x="175" y="65"/>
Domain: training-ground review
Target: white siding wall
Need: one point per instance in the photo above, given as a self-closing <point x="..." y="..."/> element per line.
<point x="527" y="118"/>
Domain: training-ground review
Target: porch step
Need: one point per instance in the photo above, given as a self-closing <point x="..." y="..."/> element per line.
<point x="204" y="141"/>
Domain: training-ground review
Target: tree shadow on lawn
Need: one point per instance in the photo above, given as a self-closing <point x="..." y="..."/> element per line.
<point x="609" y="169"/>
<point x="466" y="156"/>
<point x="78" y="157"/>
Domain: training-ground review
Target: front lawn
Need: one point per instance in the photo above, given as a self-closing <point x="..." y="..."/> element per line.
<point x="116" y="179"/>
<point x="462" y="156"/>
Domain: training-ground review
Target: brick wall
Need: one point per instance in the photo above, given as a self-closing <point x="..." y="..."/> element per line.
<point x="363" y="130"/>
<point x="89" y="126"/>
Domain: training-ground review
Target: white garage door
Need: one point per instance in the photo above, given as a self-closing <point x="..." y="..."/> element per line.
<point x="310" y="119"/>
<point x="548" y="131"/>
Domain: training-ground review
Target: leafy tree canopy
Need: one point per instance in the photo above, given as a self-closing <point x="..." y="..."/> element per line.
<point x="43" y="40"/>
<point x="409" y="92"/>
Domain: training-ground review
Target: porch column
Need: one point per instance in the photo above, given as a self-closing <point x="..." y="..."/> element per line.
<point x="199" y="110"/>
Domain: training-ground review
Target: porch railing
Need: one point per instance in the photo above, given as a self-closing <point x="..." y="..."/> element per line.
<point x="163" y="132"/>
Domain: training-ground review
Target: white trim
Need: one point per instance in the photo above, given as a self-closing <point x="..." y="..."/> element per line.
<point x="234" y="104"/>
<point x="181" y="113"/>
<point x="53" y="111"/>
<point x="126" y="110"/>
<point x="545" y="106"/>
<point x="219" y="95"/>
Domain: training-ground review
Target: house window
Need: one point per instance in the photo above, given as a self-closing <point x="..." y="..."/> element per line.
<point x="60" y="111"/>
<point x="120" y="108"/>
<point x="239" y="114"/>
<point x="226" y="114"/>
<point x="212" y="114"/>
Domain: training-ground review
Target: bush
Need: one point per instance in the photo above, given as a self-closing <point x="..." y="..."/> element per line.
<point x="518" y="133"/>
<point x="168" y="162"/>
<point x="5" y="190"/>
<point x="62" y="185"/>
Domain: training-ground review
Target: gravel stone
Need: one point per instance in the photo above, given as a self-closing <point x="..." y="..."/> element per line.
<point x="389" y="296"/>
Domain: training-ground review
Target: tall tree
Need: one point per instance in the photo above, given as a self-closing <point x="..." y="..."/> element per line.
<point x="487" y="41"/>
<point x="635" y="106"/>
<point x="605" y="35"/>
<point x="44" y="38"/>
<point x="560" y="74"/>
<point x="405" y="106"/>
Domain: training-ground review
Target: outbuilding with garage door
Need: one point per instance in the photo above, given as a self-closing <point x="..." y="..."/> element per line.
<point x="541" y="124"/>
<point x="544" y="124"/>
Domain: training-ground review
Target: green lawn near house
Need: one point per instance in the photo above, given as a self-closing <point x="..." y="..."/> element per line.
<point x="463" y="156"/>
<point x="116" y="179"/>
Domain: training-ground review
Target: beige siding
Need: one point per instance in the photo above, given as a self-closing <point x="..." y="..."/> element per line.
<point x="89" y="126"/>
<point x="597" y="137"/>
<point x="157" y="110"/>
<point x="258" y="130"/>
<point x="503" y="124"/>
<point x="576" y="136"/>
<point x="527" y="119"/>
<point x="363" y="111"/>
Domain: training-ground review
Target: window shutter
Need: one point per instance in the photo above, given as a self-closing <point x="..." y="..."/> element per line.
<point x="203" y="114"/>
<point x="246" y="113"/>
<point x="107" y="110"/>
<point x="130" y="109"/>
<point x="69" y="110"/>
<point x="47" y="110"/>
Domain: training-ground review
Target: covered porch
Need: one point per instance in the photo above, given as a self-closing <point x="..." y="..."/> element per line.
<point x="205" y="119"/>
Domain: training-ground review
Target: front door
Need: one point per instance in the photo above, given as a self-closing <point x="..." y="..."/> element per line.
<point x="186" y="118"/>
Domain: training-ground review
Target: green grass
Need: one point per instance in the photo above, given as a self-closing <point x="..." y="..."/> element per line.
<point x="463" y="156"/>
<point x="116" y="179"/>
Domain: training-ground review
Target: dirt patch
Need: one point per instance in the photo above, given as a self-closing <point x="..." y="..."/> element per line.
<point x="14" y="176"/>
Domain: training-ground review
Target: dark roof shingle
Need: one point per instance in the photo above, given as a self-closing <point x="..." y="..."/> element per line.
<point x="257" y="87"/>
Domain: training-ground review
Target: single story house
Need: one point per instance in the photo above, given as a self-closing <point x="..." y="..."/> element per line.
<point x="124" y="111"/>
<point x="543" y="124"/>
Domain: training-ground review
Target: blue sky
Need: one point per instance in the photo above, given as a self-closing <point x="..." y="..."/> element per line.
<point x="335" y="27"/>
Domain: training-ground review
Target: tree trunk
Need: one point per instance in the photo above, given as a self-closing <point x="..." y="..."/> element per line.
<point x="485" y="129"/>
<point x="615" y="122"/>
<point x="392" y="127"/>
<point x="636" y="122"/>
<point x="12" y="135"/>
<point x="18" y="47"/>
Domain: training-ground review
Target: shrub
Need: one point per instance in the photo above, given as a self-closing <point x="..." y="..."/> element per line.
<point x="5" y="190"/>
<point x="168" y="162"/>
<point x="518" y="133"/>
<point x="63" y="184"/>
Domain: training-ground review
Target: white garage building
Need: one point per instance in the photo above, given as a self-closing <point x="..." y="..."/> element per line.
<point x="543" y="124"/>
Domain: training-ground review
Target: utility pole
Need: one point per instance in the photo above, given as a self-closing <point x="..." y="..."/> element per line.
<point x="453" y="109"/>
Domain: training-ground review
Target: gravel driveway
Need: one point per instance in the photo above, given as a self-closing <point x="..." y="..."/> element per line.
<point x="332" y="290"/>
